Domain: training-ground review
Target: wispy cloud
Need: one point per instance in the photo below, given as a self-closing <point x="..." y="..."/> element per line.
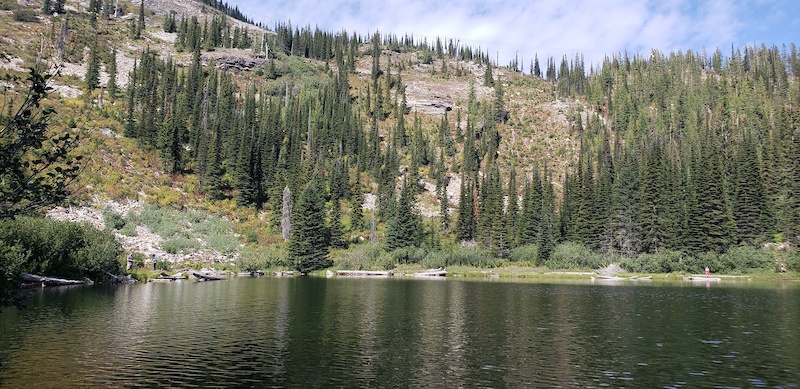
<point x="595" y="28"/>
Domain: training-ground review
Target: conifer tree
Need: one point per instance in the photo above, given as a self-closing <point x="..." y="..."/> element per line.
<point x="512" y="210"/>
<point x="466" y="209"/>
<point x="310" y="237"/>
<point x="488" y="79"/>
<point x="530" y="218"/>
<point x="547" y="234"/>
<point x="335" y="226"/>
<point x="93" y="67"/>
<point x="750" y="210"/>
<point x="404" y="225"/>
<point x="710" y="227"/>
<point x="140" y="26"/>
<point x="111" y="68"/>
<point x="626" y="193"/>
<point x="536" y="71"/>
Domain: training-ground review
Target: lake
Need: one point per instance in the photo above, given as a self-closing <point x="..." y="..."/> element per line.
<point x="338" y="332"/>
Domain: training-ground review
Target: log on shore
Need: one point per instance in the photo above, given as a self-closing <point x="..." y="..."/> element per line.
<point x="207" y="277"/>
<point x="430" y="273"/>
<point x="363" y="273"/>
<point x="176" y="276"/>
<point x="121" y="279"/>
<point x="53" y="281"/>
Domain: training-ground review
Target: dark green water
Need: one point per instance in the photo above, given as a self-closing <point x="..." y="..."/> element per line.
<point x="310" y="332"/>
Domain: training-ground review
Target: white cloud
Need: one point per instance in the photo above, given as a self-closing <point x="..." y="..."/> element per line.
<point x="595" y="28"/>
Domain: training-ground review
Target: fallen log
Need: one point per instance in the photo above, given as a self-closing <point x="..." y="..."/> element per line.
<point x="122" y="278"/>
<point x="53" y="281"/>
<point x="176" y="276"/>
<point x="207" y="277"/>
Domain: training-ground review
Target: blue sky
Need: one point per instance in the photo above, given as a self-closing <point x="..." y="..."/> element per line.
<point x="595" y="28"/>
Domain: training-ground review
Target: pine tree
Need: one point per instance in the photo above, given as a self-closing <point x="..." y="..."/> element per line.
<point x="466" y="209"/>
<point x="111" y="68"/>
<point x="750" y="209"/>
<point x="140" y="26"/>
<point x="93" y="67"/>
<point x="488" y="79"/>
<point x="404" y="225"/>
<point x="335" y="226"/>
<point x="710" y="227"/>
<point x="530" y="217"/>
<point x="626" y="193"/>
<point x="310" y="237"/>
<point x="547" y="233"/>
<point x="512" y="211"/>
<point x="653" y="208"/>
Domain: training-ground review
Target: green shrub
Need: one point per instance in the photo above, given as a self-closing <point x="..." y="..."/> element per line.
<point x="255" y="257"/>
<point x="62" y="249"/>
<point x="113" y="220"/>
<point x="745" y="259"/>
<point x="8" y="5"/>
<point x="408" y="255"/>
<point x="434" y="260"/>
<point x="793" y="260"/>
<point x="178" y="244"/>
<point x="361" y="257"/>
<point x="529" y="253"/>
<point x="470" y="256"/>
<point x="25" y="15"/>
<point x="128" y="230"/>
<point x="224" y="244"/>
<point x="571" y="255"/>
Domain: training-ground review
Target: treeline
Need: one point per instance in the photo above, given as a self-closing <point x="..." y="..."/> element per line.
<point x="233" y="12"/>
<point x="192" y="36"/>
<point x="686" y="152"/>
<point x="681" y="152"/>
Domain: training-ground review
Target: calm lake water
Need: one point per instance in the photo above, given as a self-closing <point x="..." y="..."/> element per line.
<point x="316" y="332"/>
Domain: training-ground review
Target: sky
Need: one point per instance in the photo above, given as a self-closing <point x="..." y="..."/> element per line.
<point x="552" y="28"/>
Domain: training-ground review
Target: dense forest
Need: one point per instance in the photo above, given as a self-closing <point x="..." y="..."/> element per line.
<point x="683" y="159"/>
<point x="683" y="152"/>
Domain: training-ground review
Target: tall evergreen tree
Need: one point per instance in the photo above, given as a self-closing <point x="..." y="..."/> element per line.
<point x="404" y="226"/>
<point x="309" y="238"/>
<point x="93" y="67"/>
<point x="750" y="209"/>
<point x="111" y="69"/>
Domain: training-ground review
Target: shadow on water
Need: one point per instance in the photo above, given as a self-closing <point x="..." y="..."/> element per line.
<point x="311" y="332"/>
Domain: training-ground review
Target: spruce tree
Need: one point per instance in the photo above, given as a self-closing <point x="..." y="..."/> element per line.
<point x="626" y="193"/>
<point x="710" y="227"/>
<point x="335" y="226"/>
<point x="466" y="210"/>
<point x="488" y="79"/>
<point x="404" y="225"/>
<point x="93" y="67"/>
<point x="750" y="210"/>
<point x="547" y="231"/>
<point x="310" y="237"/>
<point x="111" y="67"/>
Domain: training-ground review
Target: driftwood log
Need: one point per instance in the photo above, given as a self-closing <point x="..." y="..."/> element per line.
<point x="53" y="281"/>
<point x="122" y="278"/>
<point x="207" y="277"/>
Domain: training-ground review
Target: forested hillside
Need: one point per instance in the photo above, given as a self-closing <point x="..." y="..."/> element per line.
<point x="435" y="154"/>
